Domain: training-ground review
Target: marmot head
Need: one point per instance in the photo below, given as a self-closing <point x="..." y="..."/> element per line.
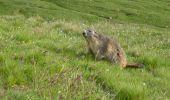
<point x="90" y="34"/>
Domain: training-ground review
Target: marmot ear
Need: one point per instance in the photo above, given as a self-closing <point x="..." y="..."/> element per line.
<point x="93" y="32"/>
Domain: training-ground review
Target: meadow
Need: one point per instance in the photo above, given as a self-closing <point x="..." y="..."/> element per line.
<point x="43" y="54"/>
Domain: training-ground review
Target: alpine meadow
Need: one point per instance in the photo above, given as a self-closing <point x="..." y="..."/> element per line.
<point x="43" y="54"/>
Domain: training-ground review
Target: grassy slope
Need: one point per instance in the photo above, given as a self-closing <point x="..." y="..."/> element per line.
<point x="150" y="12"/>
<point x="45" y="59"/>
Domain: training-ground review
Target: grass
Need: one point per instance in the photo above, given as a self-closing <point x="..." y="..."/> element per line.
<point x="156" y="13"/>
<point x="46" y="60"/>
<point x="43" y="55"/>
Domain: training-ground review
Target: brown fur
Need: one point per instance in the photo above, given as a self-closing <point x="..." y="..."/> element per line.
<point x="104" y="47"/>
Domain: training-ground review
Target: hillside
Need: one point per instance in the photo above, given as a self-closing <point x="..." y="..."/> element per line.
<point x="43" y="54"/>
<point x="156" y="13"/>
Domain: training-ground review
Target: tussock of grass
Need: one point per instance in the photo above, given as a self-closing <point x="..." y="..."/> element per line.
<point x="46" y="60"/>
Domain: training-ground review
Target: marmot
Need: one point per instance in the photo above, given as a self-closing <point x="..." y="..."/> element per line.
<point x="104" y="47"/>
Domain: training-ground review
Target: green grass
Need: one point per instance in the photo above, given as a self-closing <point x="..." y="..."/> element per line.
<point x="43" y="54"/>
<point x="156" y="13"/>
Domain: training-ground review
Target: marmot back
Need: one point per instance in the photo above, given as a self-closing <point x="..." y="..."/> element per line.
<point x="104" y="47"/>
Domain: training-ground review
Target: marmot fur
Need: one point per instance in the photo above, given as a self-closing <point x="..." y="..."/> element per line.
<point x="104" y="47"/>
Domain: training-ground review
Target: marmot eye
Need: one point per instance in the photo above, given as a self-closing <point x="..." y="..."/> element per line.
<point x="89" y="30"/>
